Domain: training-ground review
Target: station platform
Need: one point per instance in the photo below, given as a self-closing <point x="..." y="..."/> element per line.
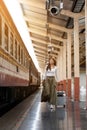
<point x="31" y="114"/>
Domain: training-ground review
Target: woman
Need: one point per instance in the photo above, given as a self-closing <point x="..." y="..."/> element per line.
<point x="51" y="79"/>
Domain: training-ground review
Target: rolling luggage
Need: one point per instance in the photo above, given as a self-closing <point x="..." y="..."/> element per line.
<point x="61" y="97"/>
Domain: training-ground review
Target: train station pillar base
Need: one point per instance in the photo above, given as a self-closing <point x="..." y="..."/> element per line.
<point x="76" y="89"/>
<point x="64" y="85"/>
<point x="69" y="88"/>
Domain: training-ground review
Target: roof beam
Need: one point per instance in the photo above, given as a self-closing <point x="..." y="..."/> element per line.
<point x="38" y="40"/>
<point x="40" y="47"/>
<point x="57" y="38"/>
<point x="45" y="24"/>
<point x="43" y="53"/>
<point x="39" y="55"/>
<point x="40" y="51"/>
<point x="34" y="3"/>
<point x="44" y="42"/>
<point x="37" y="10"/>
<point x="44" y="50"/>
<point x="45" y="35"/>
<point x="37" y="15"/>
<point x="41" y="61"/>
<point x="37" y="31"/>
<point x="37" y="27"/>
<point x="35" y="21"/>
<point x="57" y="27"/>
<point x="72" y="14"/>
<point x="38" y="58"/>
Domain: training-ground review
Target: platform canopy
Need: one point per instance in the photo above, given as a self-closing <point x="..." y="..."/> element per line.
<point x="49" y="29"/>
<point x="48" y="22"/>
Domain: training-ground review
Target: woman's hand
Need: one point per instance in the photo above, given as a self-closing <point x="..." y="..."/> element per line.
<point x="43" y="82"/>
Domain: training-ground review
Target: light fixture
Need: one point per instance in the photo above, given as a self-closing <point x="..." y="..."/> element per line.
<point x="50" y="47"/>
<point x="53" y="8"/>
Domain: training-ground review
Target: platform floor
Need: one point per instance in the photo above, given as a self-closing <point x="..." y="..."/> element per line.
<point x="31" y="114"/>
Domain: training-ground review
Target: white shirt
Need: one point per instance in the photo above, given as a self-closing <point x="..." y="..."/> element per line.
<point x="52" y="72"/>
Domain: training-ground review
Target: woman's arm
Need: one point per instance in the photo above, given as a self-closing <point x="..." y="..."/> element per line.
<point x="44" y="75"/>
<point x="56" y="74"/>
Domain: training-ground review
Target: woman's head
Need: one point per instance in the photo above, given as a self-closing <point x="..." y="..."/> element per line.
<point x="52" y="61"/>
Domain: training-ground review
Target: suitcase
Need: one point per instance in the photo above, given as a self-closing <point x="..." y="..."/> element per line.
<point x="61" y="97"/>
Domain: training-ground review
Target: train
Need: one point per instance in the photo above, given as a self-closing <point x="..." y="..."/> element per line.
<point x="18" y="75"/>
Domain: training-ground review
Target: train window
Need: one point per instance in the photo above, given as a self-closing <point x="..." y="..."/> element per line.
<point x="0" y="30"/>
<point x="17" y="68"/>
<point x="6" y="37"/>
<point x="15" y="48"/>
<point x="21" y="56"/>
<point x="27" y="63"/>
<point x="11" y="43"/>
<point x="24" y="59"/>
<point x="18" y="52"/>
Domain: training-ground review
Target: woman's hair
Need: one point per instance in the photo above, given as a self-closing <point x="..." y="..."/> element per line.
<point x="49" y="66"/>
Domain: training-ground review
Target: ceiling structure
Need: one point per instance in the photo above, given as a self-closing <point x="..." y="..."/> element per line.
<point x="48" y="31"/>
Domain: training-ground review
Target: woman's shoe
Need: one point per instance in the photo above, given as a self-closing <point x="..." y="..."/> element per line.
<point x="52" y="107"/>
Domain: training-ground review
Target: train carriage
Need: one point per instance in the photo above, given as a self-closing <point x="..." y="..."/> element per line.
<point x="16" y="66"/>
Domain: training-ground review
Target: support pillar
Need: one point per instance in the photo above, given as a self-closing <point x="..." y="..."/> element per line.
<point x="69" y="64"/>
<point x="86" y="45"/>
<point x="60" y="57"/>
<point x="60" y="68"/>
<point x="64" y="66"/>
<point x="76" y="60"/>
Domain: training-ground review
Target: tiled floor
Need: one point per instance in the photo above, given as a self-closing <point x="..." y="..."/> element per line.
<point x="31" y="114"/>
